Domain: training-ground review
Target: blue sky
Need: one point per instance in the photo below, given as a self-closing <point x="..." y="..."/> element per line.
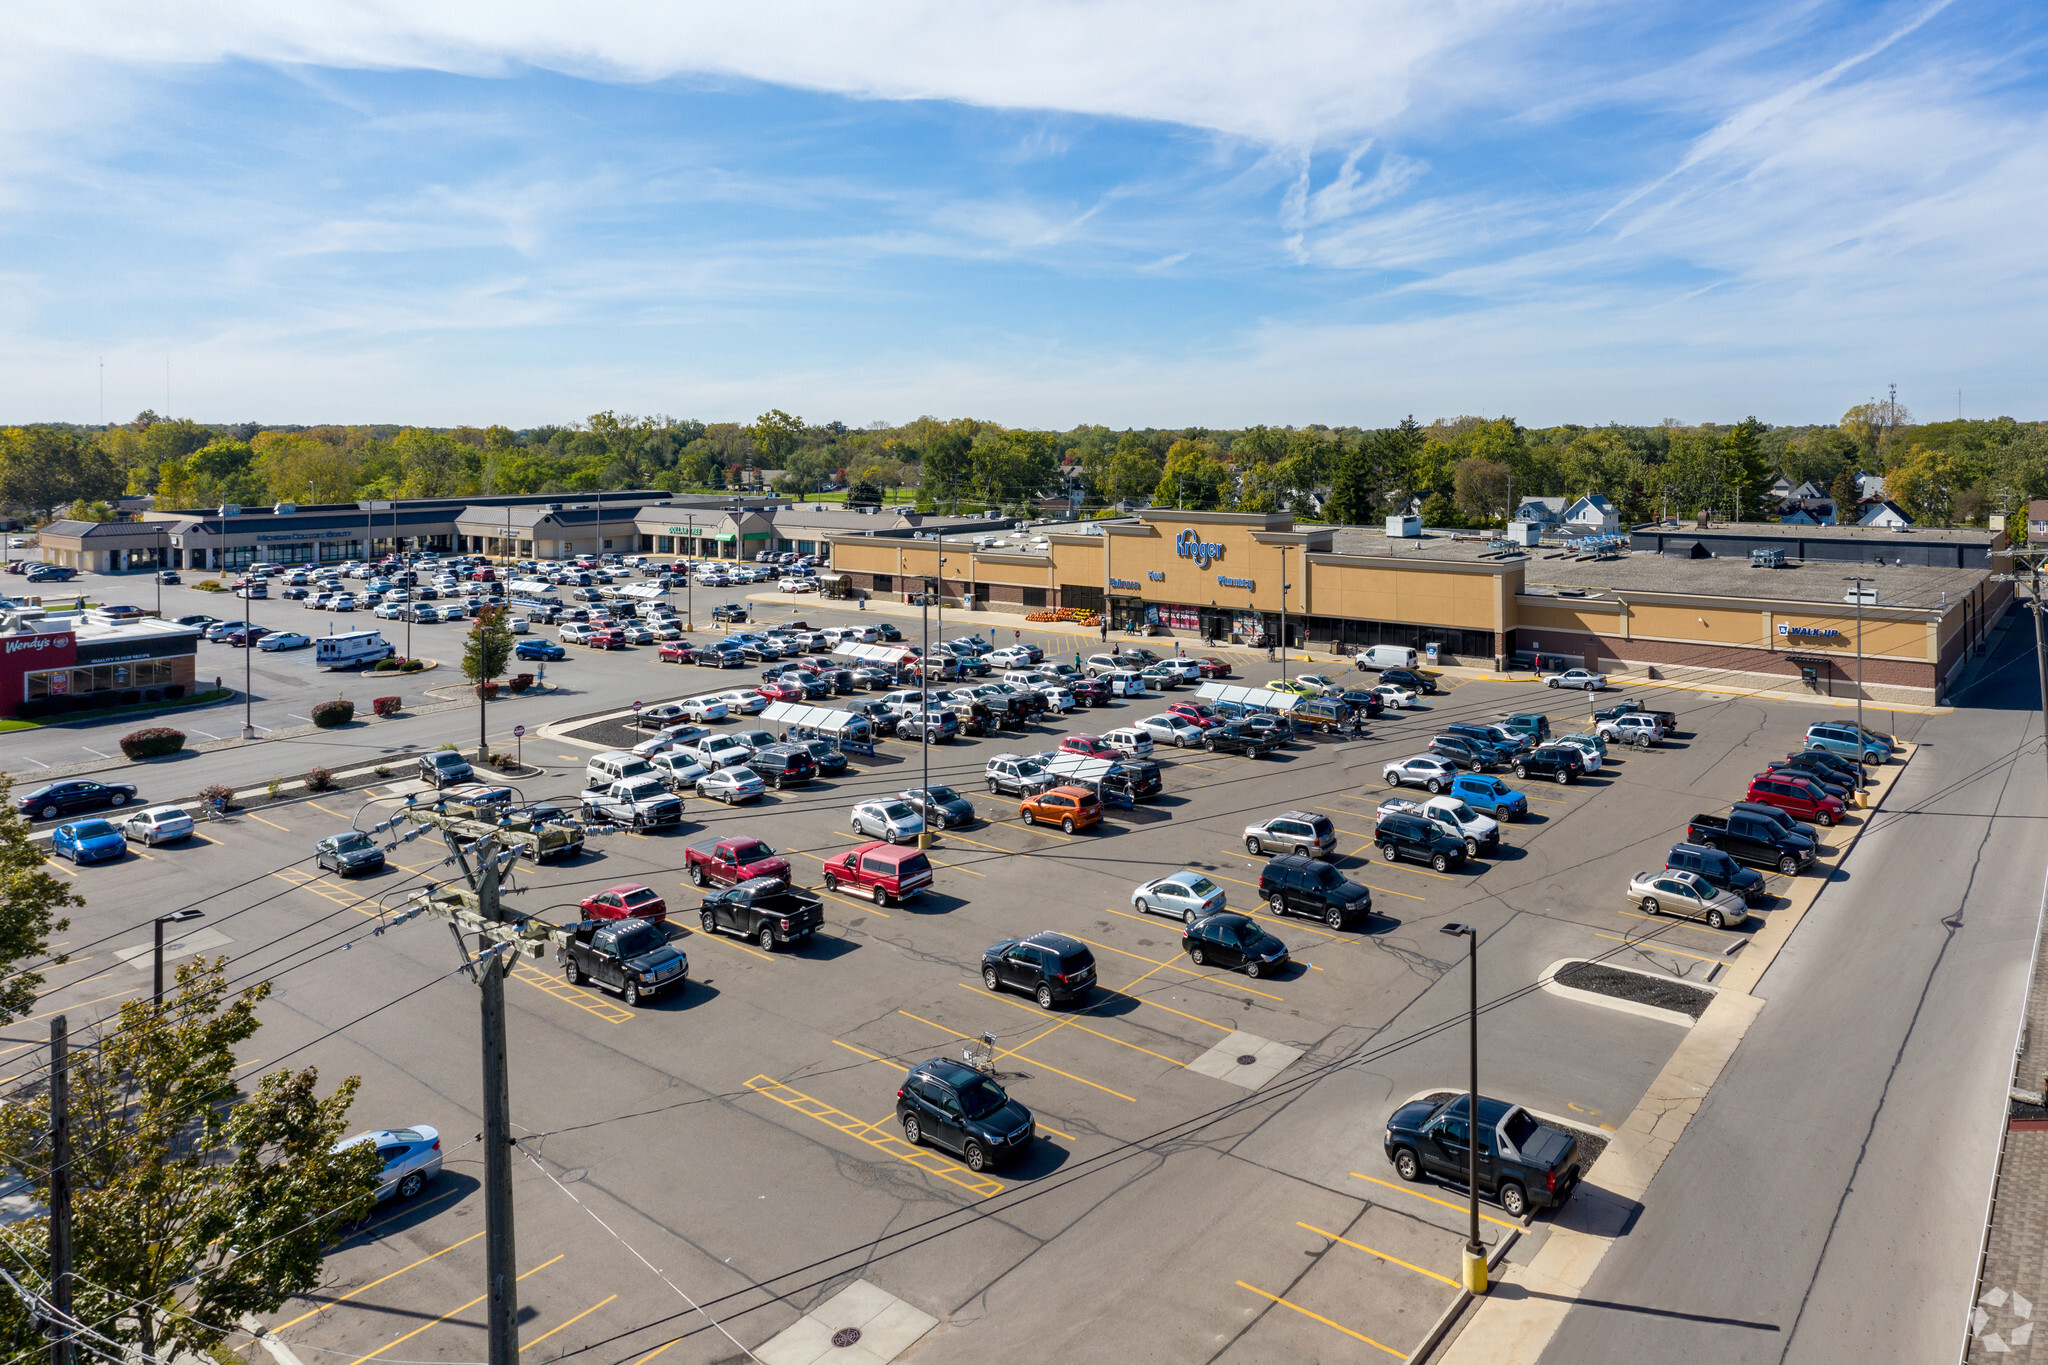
<point x="1051" y="214"/>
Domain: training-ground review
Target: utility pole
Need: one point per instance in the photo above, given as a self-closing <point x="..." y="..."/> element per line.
<point x="60" y="1189"/>
<point x="1283" y="613"/>
<point x="248" y="664"/>
<point x="502" y="1317"/>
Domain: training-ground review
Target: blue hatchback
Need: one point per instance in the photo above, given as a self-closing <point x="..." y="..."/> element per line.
<point x="89" y="841"/>
<point x="539" y="649"/>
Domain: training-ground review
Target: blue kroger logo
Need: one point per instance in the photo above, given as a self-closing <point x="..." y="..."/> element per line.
<point x="1201" y="551"/>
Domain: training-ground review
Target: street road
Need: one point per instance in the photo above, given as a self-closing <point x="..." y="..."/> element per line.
<point x="1827" y="1202"/>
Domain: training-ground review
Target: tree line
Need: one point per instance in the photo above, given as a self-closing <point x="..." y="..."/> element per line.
<point x="1465" y="470"/>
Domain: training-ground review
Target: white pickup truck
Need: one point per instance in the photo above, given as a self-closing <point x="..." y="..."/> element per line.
<point x="1480" y="833"/>
<point x="642" y="802"/>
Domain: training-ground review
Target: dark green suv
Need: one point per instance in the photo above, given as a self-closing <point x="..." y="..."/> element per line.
<point x="1295" y="884"/>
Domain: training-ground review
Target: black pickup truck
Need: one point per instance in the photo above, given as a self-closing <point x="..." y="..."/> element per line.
<point x="1753" y="839"/>
<point x="629" y="956"/>
<point x="766" y="910"/>
<point x="1524" y="1164"/>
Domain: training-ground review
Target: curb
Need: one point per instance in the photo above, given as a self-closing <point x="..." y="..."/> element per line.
<point x="1551" y="984"/>
<point x="1517" y="1331"/>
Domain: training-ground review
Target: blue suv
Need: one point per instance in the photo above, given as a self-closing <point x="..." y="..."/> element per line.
<point x="546" y="650"/>
<point x="1837" y="738"/>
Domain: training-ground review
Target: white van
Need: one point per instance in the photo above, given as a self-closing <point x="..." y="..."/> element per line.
<point x="1387" y="656"/>
<point x="351" y="650"/>
<point x="614" y="765"/>
<point x="1125" y="682"/>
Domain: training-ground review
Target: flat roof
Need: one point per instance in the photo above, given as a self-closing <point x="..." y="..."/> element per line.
<point x="1461" y="546"/>
<point x="1967" y="535"/>
<point x="1898" y="585"/>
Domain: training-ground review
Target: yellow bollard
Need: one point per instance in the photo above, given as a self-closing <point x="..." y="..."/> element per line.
<point x="1475" y="1271"/>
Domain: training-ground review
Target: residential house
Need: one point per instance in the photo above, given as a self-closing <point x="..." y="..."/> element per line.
<point x="2037" y="519"/>
<point x="1886" y="514"/>
<point x="1545" y="512"/>
<point x="1593" y="515"/>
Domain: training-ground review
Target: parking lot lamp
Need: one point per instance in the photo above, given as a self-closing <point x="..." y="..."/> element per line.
<point x="175" y="917"/>
<point x="1475" y="1250"/>
<point x="1856" y="590"/>
<point x="248" y="666"/>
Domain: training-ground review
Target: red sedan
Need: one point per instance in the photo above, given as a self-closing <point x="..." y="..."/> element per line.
<point x="1088" y="746"/>
<point x="781" y="691"/>
<point x="1196" y="712"/>
<point x="1212" y="667"/>
<point x="627" y="900"/>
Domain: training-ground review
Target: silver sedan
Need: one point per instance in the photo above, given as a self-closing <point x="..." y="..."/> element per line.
<point x="1186" y="895"/>
<point x="889" y="820"/>
<point x="1687" y="894"/>
<point x="731" y="785"/>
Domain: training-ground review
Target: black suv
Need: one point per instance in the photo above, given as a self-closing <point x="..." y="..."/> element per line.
<point x="1410" y="679"/>
<point x="1363" y="699"/>
<point x="1462" y="751"/>
<point x="1234" y="737"/>
<point x="1720" y="871"/>
<point x="783" y="765"/>
<point x="1416" y="839"/>
<point x="956" y="1107"/>
<point x="1561" y="763"/>
<point x="1832" y="766"/>
<point x="1842" y="791"/>
<point x="1136" y="778"/>
<point x="1047" y="967"/>
<point x="1294" y="884"/>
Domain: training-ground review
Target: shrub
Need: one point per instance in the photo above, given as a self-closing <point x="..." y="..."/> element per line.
<point x="218" y="792"/>
<point x="385" y="706"/>
<point x="210" y="585"/>
<point x="412" y="666"/>
<point x="521" y="682"/>
<point x="381" y="770"/>
<point x="319" y="780"/>
<point x="506" y="762"/>
<point x="393" y="664"/>
<point x="152" y="742"/>
<point x="489" y="689"/>
<point x="273" y="787"/>
<point x="328" y="714"/>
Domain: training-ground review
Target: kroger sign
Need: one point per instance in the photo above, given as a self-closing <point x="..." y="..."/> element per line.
<point x="1201" y="551"/>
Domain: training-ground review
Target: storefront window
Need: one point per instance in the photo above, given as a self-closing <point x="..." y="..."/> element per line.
<point x="79" y="682"/>
<point x="238" y="556"/>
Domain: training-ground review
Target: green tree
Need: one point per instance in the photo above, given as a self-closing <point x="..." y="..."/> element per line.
<point x="1846" y="496"/>
<point x="1354" y="484"/>
<point x="776" y="436"/>
<point x="485" y="652"/>
<point x="1482" y="489"/>
<point x="1193" y="478"/>
<point x="43" y="467"/>
<point x="1747" y="467"/>
<point x="32" y="902"/>
<point x="948" y="467"/>
<point x="196" y="1207"/>
<point x="1134" y="470"/>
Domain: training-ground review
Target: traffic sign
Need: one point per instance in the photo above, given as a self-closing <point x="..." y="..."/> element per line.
<point x="518" y="732"/>
<point x="636" y="706"/>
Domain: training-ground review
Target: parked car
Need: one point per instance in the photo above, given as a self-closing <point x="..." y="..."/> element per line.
<point x="1491" y="795"/>
<point x="1561" y="763"/>
<point x="881" y="871"/>
<point x="629" y="956"/>
<point x="1213" y="667"/>
<point x="1071" y="808"/>
<point x="731" y="785"/>
<point x="1828" y="783"/>
<point x="1231" y="940"/>
<point x="1579" y="677"/>
<point x="349" y="853"/>
<point x="1754" y="839"/>
<point x="1296" y="884"/>
<point x="157" y="825"/>
<point x="284" y="640"/>
<point x="444" y="767"/>
<point x="1426" y="771"/>
<point x="1294" y="831"/>
<point x="1845" y="740"/>
<point x="1236" y="737"/>
<point x="941" y="807"/>
<point x="627" y="900"/>
<point x="1722" y="871"/>
<point x="411" y="1157"/>
<point x="888" y="819"/>
<point x="953" y="1106"/>
<point x="88" y="841"/>
<point x="1417" y="839"/>
<point x="1531" y="725"/>
<point x="1186" y="895"/>
<point x="1687" y="894"/>
<point x="769" y="911"/>
<point x="782" y="765"/>
<point x="1829" y="765"/>
<point x="1396" y="698"/>
<point x="1795" y="796"/>
<point x="1015" y="775"/>
<point x="1523" y="1164"/>
<point x="730" y="861"/>
<point x="1460" y="752"/>
<point x="1642" y="731"/>
<point x="1592" y="749"/>
<point x="534" y="648"/>
<point x="73" y="797"/>
<point x="1421" y="684"/>
<point x="1050" y="968"/>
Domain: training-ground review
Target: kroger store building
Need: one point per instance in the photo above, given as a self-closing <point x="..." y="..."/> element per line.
<point x="1683" y="603"/>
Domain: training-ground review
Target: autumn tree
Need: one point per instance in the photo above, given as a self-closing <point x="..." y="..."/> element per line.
<point x="1482" y="489"/>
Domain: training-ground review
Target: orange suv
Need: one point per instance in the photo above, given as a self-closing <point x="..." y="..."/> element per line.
<point x="1070" y="808"/>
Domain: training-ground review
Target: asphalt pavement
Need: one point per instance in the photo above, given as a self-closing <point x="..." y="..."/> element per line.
<point x="1827" y="1202"/>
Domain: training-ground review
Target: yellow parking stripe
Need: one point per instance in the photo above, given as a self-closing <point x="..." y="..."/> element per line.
<point x="588" y="1001"/>
<point x="1069" y="1023"/>
<point x="1007" y="1052"/>
<point x="1190" y="971"/>
<point x="1658" y="947"/>
<point x="273" y="824"/>
<point x="374" y="1283"/>
<point x="1323" y="1320"/>
<point x="927" y="1161"/>
<point x="400" y="1341"/>
<point x="570" y="1323"/>
<point x="873" y="1057"/>
<point x="1371" y="1251"/>
<point x="1458" y="1208"/>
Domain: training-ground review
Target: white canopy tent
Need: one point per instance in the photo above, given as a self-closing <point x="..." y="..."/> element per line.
<point x="1263" y="698"/>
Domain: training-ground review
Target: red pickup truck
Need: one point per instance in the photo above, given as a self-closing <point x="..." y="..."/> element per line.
<point x="883" y="872"/>
<point x="729" y="862"/>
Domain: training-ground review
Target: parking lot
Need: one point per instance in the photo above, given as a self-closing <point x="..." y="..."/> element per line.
<point x="1182" y="1203"/>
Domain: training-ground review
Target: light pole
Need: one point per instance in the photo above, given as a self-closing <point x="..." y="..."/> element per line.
<point x="1475" y="1250"/>
<point x="248" y="665"/>
<point x="1856" y="588"/>
<point x="1283" y="613"/>
<point x="175" y="917"/>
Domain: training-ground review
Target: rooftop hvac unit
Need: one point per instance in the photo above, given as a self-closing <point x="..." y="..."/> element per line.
<point x="1766" y="559"/>
<point x="1405" y="528"/>
<point x="229" y="509"/>
<point x="284" y="509"/>
<point x="1523" y="533"/>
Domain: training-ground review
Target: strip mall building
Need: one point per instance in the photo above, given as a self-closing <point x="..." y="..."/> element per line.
<point x="1678" y="603"/>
